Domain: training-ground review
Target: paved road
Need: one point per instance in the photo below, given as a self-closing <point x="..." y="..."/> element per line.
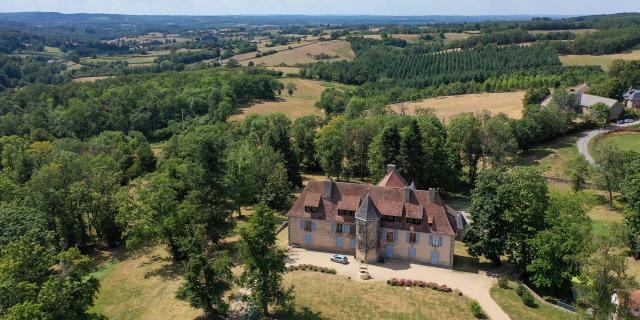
<point x="583" y="143"/>
<point x="473" y="285"/>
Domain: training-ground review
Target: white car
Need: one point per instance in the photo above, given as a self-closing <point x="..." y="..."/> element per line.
<point x="340" y="259"/>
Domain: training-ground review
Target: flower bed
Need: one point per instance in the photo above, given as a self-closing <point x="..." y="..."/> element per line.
<point x="422" y="284"/>
<point x="310" y="267"/>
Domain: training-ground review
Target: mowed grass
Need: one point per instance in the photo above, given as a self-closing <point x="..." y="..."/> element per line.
<point x="550" y="158"/>
<point x="335" y="297"/>
<point x="445" y="107"/>
<point x="604" y="60"/>
<point x="141" y="286"/>
<point x="626" y="141"/>
<point x="300" y="104"/>
<point x="304" y="54"/>
<point x="511" y="304"/>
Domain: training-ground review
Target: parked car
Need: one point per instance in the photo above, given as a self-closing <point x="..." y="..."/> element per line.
<point x="628" y="120"/>
<point x="620" y="121"/>
<point x="340" y="259"/>
<point x="294" y="245"/>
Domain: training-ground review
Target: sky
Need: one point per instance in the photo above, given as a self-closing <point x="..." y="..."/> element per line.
<point x="325" y="7"/>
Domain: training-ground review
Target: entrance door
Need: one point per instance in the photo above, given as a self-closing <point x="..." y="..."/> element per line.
<point x="307" y="239"/>
<point x="435" y="257"/>
<point x="412" y="252"/>
<point x="389" y="251"/>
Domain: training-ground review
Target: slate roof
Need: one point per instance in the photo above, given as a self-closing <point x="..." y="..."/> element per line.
<point x="587" y="100"/>
<point x="374" y="200"/>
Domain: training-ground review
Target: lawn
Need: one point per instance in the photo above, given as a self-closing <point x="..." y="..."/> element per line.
<point x="603" y="60"/>
<point x="300" y="104"/>
<point x="625" y="140"/>
<point x="551" y="157"/>
<point x="510" y="302"/>
<point x="445" y="107"/>
<point x="336" y="297"/>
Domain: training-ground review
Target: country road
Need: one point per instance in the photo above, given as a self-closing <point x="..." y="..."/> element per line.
<point x="583" y="143"/>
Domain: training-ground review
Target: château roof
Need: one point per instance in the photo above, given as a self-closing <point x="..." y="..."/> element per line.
<point x="393" y="179"/>
<point x="367" y="211"/>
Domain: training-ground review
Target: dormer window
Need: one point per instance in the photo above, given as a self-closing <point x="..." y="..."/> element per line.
<point x="310" y="209"/>
<point x="391" y="218"/>
<point x="346" y="213"/>
<point x="414" y="221"/>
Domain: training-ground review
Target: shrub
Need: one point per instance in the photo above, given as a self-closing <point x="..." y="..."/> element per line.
<point x="527" y="299"/>
<point x="503" y="282"/>
<point x="476" y="310"/>
<point x="388" y="282"/>
<point x="458" y="292"/>
<point x="408" y="283"/>
<point x="520" y="289"/>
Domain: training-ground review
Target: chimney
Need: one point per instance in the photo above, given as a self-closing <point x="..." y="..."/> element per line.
<point x="432" y="194"/>
<point x="391" y="167"/>
<point x="407" y="192"/>
<point x="328" y="189"/>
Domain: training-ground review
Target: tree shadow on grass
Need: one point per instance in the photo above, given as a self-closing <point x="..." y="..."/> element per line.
<point x="303" y="314"/>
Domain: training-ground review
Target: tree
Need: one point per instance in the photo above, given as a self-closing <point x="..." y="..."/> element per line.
<point x="233" y="63"/>
<point x="499" y="144"/>
<point x="464" y="136"/>
<point x="564" y="100"/>
<point x="600" y="113"/>
<point x="330" y="145"/>
<point x="631" y="190"/>
<point x="557" y="249"/>
<point x="536" y="95"/>
<point x="608" y="169"/>
<point x="577" y="169"/>
<point x="206" y="282"/>
<point x="410" y="156"/>
<point x="276" y="192"/>
<point x="303" y="134"/>
<point x="242" y="177"/>
<point x="332" y="101"/>
<point x="264" y="261"/>
<point x="291" y="88"/>
<point x="603" y="268"/>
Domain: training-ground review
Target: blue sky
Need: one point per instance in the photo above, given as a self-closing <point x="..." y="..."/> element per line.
<point x="322" y="7"/>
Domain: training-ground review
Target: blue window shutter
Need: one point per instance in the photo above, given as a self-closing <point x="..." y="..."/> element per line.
<point x="408" y="237"/>
<point x="313" y="226"/>
<point x="352" y="243"/>
<point x="439" y="241"/>
<point x="383" y="234"/>
<point x="347" y="228"/>
<point x="333" y="227"/>
<point x="417" y="238"/>
<point x="430" y="240"/>
<point x="302" y="224"/>
<point x="395" y="235"/>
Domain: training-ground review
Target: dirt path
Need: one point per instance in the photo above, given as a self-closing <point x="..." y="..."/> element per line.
<point x="473" y="285"/>
<point x="583" y="143"/>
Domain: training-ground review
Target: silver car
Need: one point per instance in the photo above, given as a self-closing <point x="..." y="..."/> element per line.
<point x="340" y="259"/>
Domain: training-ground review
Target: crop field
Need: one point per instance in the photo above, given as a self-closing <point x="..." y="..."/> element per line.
<point x="576" y="31"/>
<point x="299" y="105"/>
<point x="603" y="60"/>
<point x="445" y="107"/>
<point x="92" y="79"/>
<point x="304" y="54"/>
<point x="453" y="36"/>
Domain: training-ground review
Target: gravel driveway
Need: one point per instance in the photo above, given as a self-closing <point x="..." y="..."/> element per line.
<point x="473" y="285"/>
<point x="583" y="143"/>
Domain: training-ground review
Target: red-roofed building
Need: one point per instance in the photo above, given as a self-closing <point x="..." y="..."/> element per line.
<point x="389" y="220"/>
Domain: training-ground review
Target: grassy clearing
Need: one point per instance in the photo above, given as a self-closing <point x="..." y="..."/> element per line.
<point x="454" y="36"/>
<point x="551" y="157"/>
<point x="510" y="302"/>
<point x="576" y="31"/>
<point x="603" y="60"/>
<point x="448" y="106"/>
<point x="300" y="104"/>
<point x="304" y="54"/>
<point x="141" y="286"/>
<point x="92" y="79"/>
<point x="624" y="140"/>
<point x="336" y="297"/>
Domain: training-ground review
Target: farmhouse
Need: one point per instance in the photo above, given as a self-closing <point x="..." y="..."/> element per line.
<point x="373" y="222"/>
<point x="632" y="98"/>
<point x="586" y="101"/>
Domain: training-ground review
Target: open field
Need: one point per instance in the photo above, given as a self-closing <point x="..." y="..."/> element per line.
<point x="336" y="297"/>
<point x="453" y="36"/>
<point x="141" y="287"/>
<point x="576" y="31"/>
<point x="299" y="105"/>
<point x="304" y="54"/>
<point x="448" y="106"/>
<point x="92" y="79"/>
<point x="510" y="302"/>
<point x="603" y="60"/>
<point x="286" y="70"/>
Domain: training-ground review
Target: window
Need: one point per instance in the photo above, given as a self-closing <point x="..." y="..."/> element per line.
<point x="391" y="218"/>
<point x="339" y="228"/>
<point x="414" y="221"/>
<point x="310" y="209"/>
<point x="389" y="236"/>
<point x="412" y="238"/>
<point x="339" y="242"/>
<point x="352" y="243"/>
<point x="308" y="226"/>
<point x="347" y="213"/>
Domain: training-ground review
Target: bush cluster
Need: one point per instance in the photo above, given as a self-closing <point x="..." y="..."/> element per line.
<point x="476" y="310"/>
<point x="310" y="267"/>
<point x="527" y="299"/>
<point x="503" y="282"/>
<point x="416" y="283"/>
